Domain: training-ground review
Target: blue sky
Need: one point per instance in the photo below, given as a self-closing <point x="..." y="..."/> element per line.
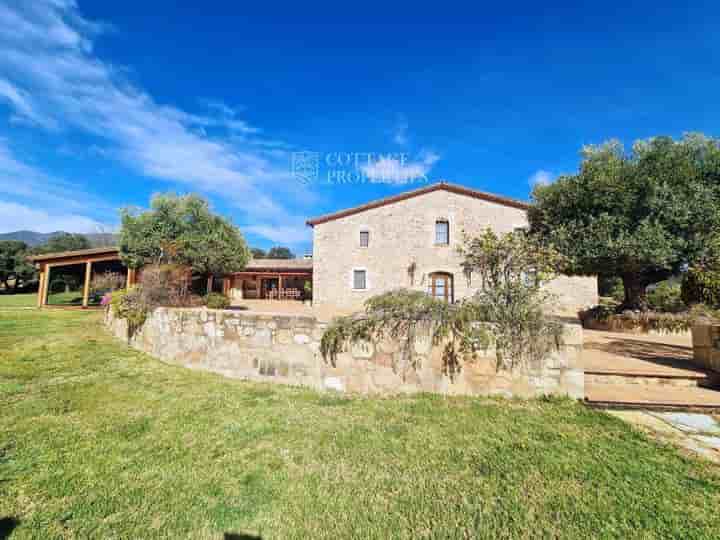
<point x="104" y="103"/>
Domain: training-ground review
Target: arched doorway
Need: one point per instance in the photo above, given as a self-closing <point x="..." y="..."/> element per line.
<point x="441" y="286"/>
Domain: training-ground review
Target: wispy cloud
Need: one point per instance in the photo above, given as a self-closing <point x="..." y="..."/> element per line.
<point x="541" y="177"/>
<point x="22" y="103"/>
<point x="21" y="180"/>
<point x="400" y="136"/>
<point x="14" y="217"/>
<point x="396" y="170"/>
<point x="48" y="51"/>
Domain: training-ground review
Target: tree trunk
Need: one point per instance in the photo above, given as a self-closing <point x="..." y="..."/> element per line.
<point x="635" y="295"/>
<point x="210" y="284"/>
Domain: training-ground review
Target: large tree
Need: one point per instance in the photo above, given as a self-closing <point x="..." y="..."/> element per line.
<point x="182" y="230"/>
<point x="641" y="215"/>
<point x="14" y="265"/>
<point x="280" y="252"/>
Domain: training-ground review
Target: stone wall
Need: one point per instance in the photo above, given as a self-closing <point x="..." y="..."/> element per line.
<point x="285" y="349"/>
<point x="706" y="346"/>
<point x="403" y="233"/>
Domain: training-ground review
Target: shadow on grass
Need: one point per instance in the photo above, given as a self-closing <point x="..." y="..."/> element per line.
<point x="7" y="526"/>
<point x="241" y="536"/>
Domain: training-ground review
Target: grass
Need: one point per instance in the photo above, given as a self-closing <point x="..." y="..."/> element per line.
<point x="18" y="300"/>
<point x="99" y="441"/>
<point x="72" y="298"/>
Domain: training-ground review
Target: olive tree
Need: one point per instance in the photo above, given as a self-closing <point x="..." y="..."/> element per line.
<point x="14" y="265"/>
<point x="642" y="215"/>
<point x="182" y="230"/>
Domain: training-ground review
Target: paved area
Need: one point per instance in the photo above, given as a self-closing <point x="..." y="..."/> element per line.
<point x="698" y="434"/>
<point x="610" y="352"/>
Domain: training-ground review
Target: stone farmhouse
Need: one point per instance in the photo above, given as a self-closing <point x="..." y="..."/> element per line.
<point x="407" y="240"/>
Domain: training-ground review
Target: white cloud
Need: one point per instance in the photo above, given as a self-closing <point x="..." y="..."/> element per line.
<point x="21" y="102"/>
<point x="15" y="217"/>
<point x="48" y="51"/>
<point x="397" y="170"/>
<point x="401" y="132"/>
<point x="541" y="177"/>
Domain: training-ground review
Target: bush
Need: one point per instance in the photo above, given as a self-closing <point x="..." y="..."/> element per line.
<point x="611" y="287"/>
<point x="130" y="305"/>
<point x="666" y="297"/>
<point x="217" y="301"/>
<point x="167" y="285"/>
<point x="701" y="286"/>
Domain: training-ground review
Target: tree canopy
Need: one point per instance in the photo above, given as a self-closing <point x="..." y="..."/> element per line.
<point x="14" y="264"/>
<point x="64" y="242"/>
<point x="257" y="253"/>
<point x="279" y="252"/>
<point x="182" y="230"/>
<point x="642" y="215"/>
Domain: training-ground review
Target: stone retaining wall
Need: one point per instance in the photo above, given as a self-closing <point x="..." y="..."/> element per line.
<point x="285" y="349"/>
<point x="706" y="346"/>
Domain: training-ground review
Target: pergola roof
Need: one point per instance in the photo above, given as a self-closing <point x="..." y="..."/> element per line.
<point x="276" y="265"/>
<point x="50" y="257"/>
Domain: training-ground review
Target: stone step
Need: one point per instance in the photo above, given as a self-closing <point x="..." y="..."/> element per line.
<point x="660" y="397"/>
<point x="679" y="378"/>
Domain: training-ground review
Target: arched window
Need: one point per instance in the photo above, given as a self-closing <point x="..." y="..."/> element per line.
<point x="440" y="286"/>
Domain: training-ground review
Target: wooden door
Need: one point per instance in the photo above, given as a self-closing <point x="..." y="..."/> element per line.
<point x="441" y="286"/>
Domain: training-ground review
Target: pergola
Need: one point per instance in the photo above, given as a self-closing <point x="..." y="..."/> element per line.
<point x="87" y="257"/>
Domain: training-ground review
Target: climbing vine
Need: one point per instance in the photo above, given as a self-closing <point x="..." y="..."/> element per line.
<point x="508" y="311"/>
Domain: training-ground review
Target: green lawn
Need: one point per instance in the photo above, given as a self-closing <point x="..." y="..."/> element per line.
<point x="98" y="441"/>
<point x="18" y="300"/>
<point x="72" y="298"/>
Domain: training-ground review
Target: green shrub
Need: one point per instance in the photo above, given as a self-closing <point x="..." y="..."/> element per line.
<point x="611" y="287"/>
<point x="666" y="297"/>
<point x="701" y="286"/>
<point x="217" y="301"/>
<point x="131" y="306"/>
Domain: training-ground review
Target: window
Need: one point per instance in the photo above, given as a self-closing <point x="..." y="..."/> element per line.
<point x="440" y="286"/>
<point x="359" y="279"/>
<point x="442" y="232"/>
<point x="364" y="238"/>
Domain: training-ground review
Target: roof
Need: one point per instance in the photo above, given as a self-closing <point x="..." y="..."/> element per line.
<point x="445" y="186"/>
<point x="278" y="264"/>
<point x="111" y="250"/>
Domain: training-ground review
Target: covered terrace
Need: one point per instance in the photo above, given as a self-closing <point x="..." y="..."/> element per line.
<point x="271" y="279"/>
<point x="65" y="278"/>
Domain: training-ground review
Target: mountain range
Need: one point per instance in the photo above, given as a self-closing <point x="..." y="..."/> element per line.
<point x="32" y="238"/>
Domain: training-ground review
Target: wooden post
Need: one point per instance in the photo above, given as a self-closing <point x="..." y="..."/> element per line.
<point x="45" y="285"/>
<point x="41" y="286"/>
<point x="86" y="287"/>
<point x="209" y="284"/>
<point x="280" y="286"/>
<point x="130" y="277"/>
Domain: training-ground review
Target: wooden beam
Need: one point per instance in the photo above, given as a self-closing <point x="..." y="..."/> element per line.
<point x="41" y="286"/>
<point x="45" y="285"/>
<point x="86" y="287"/>
<point x="131" y="277"/>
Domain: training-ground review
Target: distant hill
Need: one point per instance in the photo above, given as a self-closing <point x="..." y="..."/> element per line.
<point x="32" y="238"/>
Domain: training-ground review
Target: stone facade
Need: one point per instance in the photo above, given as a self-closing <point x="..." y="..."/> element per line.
<point x="401" y="236"/>
<point x="285" y="349"/>
<point x="706" y="345"/>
